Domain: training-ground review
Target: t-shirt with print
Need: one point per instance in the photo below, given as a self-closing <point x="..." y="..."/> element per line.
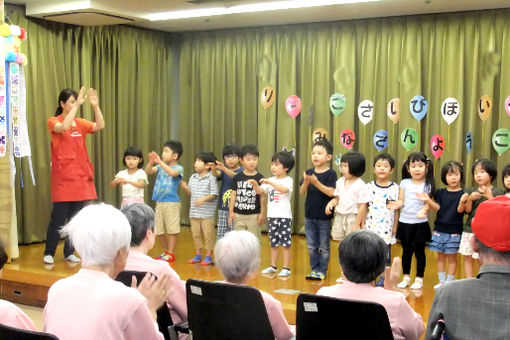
<point x="351" y="196"/>
<point x="448" y="219"/>
<point x="278" y="203"/>
<point x="129" y="190"/>
<point x="380" y="219"/>
<point x="475" y="204"/>
<point x="226" y="190"/>
<point x="316" y="200"/>
<point x="166" y="187"/>
<point x="247" y="200"/>
<point x="412" y="204"/>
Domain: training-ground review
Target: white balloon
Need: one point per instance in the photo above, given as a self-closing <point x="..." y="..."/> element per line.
<point x="450" y="110"/>
<point x="366" y="111"/>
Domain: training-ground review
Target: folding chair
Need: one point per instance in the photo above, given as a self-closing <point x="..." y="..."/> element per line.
<point x="226" y="311"/>
<point x="11" y="333"/>
<point x="319" y="317"/>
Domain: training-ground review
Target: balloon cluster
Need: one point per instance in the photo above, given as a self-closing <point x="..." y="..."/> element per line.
<point x="13" y="36"/>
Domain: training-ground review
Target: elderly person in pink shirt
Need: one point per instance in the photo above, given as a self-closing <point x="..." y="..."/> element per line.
<point x="363" y="256"/>
<point x="238" y="258"/>
<point x="90" y="304"/>
<point x="141" y="219"/>
<point x="10" y="314"/>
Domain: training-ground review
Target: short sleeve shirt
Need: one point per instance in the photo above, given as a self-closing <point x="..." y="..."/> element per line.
<point x="166" y="187"/>
<point x="278" y="203"/>
<point x="448" y="220"/>
<point x="247" y="200"/>
<point x="350" y="196"/>
<point x="412" y="204"/>
<point x="226" y="190"/>
<point x="129" y="190"/>
<point x="200" y="187"/>
<point x="380" y="219"/>
<point x="495" y="192"/>
<point x="316" y="200"/>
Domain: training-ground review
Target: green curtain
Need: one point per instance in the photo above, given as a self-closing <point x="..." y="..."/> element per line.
<point x="131" y="68"/>
<point x="460" y="55"/>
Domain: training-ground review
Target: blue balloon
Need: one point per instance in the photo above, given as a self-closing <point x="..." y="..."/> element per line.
<point x="469" y="141"/>
<point x="381" y="140"/>
<point x="418" y="106"/>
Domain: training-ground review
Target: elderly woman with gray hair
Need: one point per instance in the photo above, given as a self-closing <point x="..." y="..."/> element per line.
<point x="238" y="258"/>
<point x="363" y="255"/>
<point x="90" y="304"/>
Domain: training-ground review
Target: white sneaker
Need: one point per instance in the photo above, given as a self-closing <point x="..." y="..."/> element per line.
<point x="440" y="284"/>
<point x="73" y="259"/>
<point x="284" y="272"/>
<point x="404" y="283"/>
<point x="417" y="285"/>
<point x="48" y="259"/>
<point x="269" y="270"/>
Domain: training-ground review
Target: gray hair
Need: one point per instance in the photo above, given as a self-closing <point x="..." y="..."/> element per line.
<point x="493" y="254"/>
<point x="362" y="255"/>
<point x="237" y="255"/>
<point x="141" y="219"/>
<point x="98" y="232"/>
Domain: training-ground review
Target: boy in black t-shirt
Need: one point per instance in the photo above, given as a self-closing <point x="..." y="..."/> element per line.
<point x="247" y="208"/>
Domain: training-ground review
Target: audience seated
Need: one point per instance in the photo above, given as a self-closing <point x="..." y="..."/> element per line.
<point x="478" y="308"/>
<point x="238" y="258"/>
<point x="141" y="219"/>
<point x="363" y="256"/>
<point x="10" y="314"/>
<point x="90" y="304"/>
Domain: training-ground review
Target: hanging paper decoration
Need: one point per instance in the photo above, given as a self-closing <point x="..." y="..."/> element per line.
<point x="381" y="140"/>
<point x="337" y="104"/>
<point x="418" y="107"/>
<point x="507" y="105"/>
<point x="484" y="107"/>
<point x="293" y="106"/>
<point x="319" y="135"/>
<point x="393" y="110"/>
<point x="501" y="140"/>
<point x="437" y="145"/>
<point x="365" y="111"/>
<point x="267" y="97"/>
<point x="409" y="138"/>
<point x="450" y="110"/>
<point x="347" y="138"/>
<point x="468" y="141"/>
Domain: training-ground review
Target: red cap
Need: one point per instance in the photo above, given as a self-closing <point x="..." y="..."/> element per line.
<point x="491" y="224"/>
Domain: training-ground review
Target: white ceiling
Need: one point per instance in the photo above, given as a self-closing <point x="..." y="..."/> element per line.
<point x="135" y="12"/>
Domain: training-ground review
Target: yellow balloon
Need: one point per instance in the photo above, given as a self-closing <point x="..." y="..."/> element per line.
<point x="393" y="110"/>
<point x="484" y="107"/>
<point x="5" y="30"/>
<point x="267" y="97"/>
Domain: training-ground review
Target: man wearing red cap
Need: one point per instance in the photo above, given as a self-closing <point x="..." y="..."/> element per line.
<point x="479" y="308"/>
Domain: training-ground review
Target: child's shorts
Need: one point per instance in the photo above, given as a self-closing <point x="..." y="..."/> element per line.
<point x="279" y="231"/>
<point x="465" y="245"/>
<point x="342" y="226"/>
<point x="444" y="242"/>
<point x="168" y="218"/>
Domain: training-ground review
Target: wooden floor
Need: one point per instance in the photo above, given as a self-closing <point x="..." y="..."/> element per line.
<point x="30" y="270"/>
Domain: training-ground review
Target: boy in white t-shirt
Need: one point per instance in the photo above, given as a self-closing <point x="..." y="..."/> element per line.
<point x="279" y="215"/>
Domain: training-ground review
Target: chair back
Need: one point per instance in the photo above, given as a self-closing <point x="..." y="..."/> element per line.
<point x="11" y="333"/>
<point x="318" y="317"/>
<point x="225" y="311"/>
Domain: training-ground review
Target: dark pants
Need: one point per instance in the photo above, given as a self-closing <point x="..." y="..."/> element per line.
<point x="61" y="214"/>
<point x="407" y="255"/>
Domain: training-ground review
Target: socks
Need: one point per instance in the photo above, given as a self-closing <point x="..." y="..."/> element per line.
<point x="442" y="276"/>
<point x="450" y="278"/>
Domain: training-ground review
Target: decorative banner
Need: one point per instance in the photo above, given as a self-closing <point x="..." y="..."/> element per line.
<point x="484" y="107"/>
<point x="347" y="138"/>
<point x="293" y="106"/>
<point x="365" y="111"/>
<point x="3" y="112"/>
<point x="337" y="104"/>
<point x="501" y="140"/>
<point x="418" y="107"/>
<point x="507" y="105"/>
<point x="393" y="110"/>
<point x="450" y="110"/>
<point x="381" y="140"/>
<point x="267" y="97"/>
<point x="319" y="134"/>
<point x="437" y="145"/>
<point x="469" y="142"/>
<point x="409" y="138"/>
<point x="14" y="105"/>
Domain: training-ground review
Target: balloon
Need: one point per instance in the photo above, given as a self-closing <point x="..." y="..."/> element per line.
<point x="319" y="134"/>
<point x="501" y="140"/>
<point x="337" y="104"/>
<point x="450" y="110"/>
<point x="418" y="107"/>
<point x="23" y="35"/>
<point x="437" y="145"/>
<point x="409" y="138"/>
<point x="15" y="30"/>
<point x="484" y="107"/>
<point x="347" y="138"/>
<point x="20" y="58"/>
<point x="267" y="97"/>
<point x="5" y="30"/>
<point x="381" y="140"/>
<point x="469" y="141"/>
<point x="507" y="105"/>
<point x="365" y="111"/>
<point x="293" y="106"/>
<point x="10" y="57"/>
<point x="393" y="110"/>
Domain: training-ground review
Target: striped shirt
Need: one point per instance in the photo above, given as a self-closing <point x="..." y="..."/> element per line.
<point x="200" y="187"/>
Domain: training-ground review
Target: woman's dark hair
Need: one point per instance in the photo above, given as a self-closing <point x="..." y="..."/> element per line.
<point x="362" y="256"/>
<point x="356" y="162"/>
<point x="3" y="256"/>
<point x="429" y="176"/>
<point x="488" y="165"/>
<point x="451" y="166"/>
<point x="133" y="151"/>
<point x="63" y="97"/>
<point x="504" y="173"/>
<point x="141" y="219"/>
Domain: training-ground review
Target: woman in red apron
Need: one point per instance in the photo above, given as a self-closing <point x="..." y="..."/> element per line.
<point x="72" y="174"/>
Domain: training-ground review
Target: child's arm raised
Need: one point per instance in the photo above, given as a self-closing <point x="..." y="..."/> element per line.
<point x="468" y="207"/>
<point x="304" y="186"/>
<point x="139" y="184"/>
<point x="321" y="187"/>
<point x="425" y="198"/>
<point x="150" y="169"/>
<point x="256" y="186"/>
<point x="222" y="167"/>
<point x="167" y="168"/>
<point x="280" y="187"/>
